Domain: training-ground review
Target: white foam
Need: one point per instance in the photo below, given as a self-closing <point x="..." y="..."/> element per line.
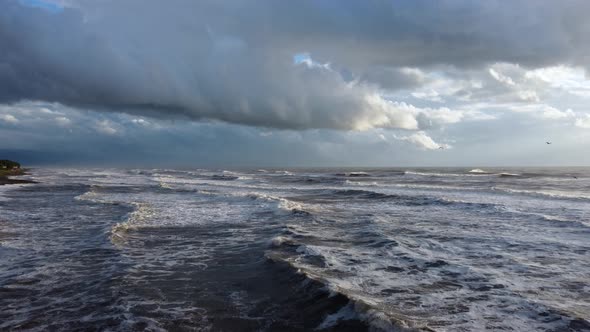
<point x="376" y="252"/>
<point x="362" y="183"/>
<point x="279" y="204"/>
<point x="345" y="313"/>
<point x="5" y="189"/>
<point x="436" y="174"/>
<point x="397" y="281"/>
<point x="357" y="174"/>
<point x="92" y="196"/>
<point x="279" y="241"/>
<point x="508" y="174"/>
<point x="546" y="193"/>
<point x="283" y="172"/>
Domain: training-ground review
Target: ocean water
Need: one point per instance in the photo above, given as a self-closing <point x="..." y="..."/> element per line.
<point x="296" y="250"/>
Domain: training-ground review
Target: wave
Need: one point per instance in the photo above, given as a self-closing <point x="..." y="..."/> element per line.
<point x="363" y="184"/>
<point x="479" y="171"/>
<point x="361" y="311"/>
<point x="148" y="213"/>
<point x="545" y="193"/>
<point x="141" y="212"/>
<point x="282" y="172"/>
<point x="307" y="179"/>
<point x="139" y="217"/>
<point x="92" y="195"/>
<point x="362" y="194"/>
<point x="202" y="183"/>
<point x="166" y="186"/>
<point x="545" y="217"/>
<point x="224" y="177"/>
<point x="498" y="173"/>
<point x="436" y="174"/>
<point x="545" y="175"/>
<point x="436" y="187"/>
<point x="337" y="195"/>
<point x="430" y="187"/>
<point x="354" y="174"/>
<point x="356" y="307"/>
<point x="4" y="189"/>
<point x="412" y="290"/>
<point x="280" y="205"/>
<point x="509" y="175"/>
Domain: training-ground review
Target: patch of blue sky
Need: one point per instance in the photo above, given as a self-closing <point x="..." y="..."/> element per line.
<point x="49" y="6"/>
<point x="301" y="58"/>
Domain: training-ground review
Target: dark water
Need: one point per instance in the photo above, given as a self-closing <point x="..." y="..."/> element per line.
<point x="278" y="250"/>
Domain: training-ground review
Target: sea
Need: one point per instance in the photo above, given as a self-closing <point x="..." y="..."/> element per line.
<point x="327" y="249"/>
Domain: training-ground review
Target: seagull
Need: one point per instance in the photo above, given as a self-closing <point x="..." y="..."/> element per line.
<point x="441" y="147"/>
<point x="548" y="143"/>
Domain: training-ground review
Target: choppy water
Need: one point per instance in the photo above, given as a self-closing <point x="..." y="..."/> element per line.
<point x="283" y="250"/>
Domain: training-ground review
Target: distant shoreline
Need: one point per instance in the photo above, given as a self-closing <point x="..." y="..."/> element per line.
<point x="5" y="177"/>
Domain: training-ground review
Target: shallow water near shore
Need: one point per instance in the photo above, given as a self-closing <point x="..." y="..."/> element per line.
<point x="296" y="249"/>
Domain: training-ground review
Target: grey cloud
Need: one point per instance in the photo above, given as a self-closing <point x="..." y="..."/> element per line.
<point x="423" y="141"/>
<point x="394" y="78"/>
<point x="421" y="33"/>
<point x="232" y="60"/>
<point x="39" y="139"/>
<point x="200" y="73"/>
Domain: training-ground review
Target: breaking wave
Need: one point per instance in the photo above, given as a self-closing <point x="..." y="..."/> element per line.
<point x="333" y="249"/>
<point x="554" y="194"/>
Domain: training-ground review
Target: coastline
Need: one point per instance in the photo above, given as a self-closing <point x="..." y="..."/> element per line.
<point x="5" y="177"/>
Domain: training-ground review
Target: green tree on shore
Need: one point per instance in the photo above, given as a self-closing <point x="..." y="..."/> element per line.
<point x="9" y="164"/>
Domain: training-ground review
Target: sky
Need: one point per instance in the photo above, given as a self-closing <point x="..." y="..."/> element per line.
<point x="236" y="83"/>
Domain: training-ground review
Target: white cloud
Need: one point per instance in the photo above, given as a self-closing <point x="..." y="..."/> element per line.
<point x="63" y="121"/>
<point x="553" y="113"/>
<point x="583" y="122"/>
<point x="381" y="113"/>
<point x="141" y="122"/>
<point x="542" y="111"/>
<point x="45" y="110"/>
<point x="429" y="95"/>
<point x="442" y="115"/>
<point x="501" y="77"/>
<point x="572" y="80"/>
<point x="106" y="127"/>
<point x="8" y="118"/>
<point x="528" y="95"/>
<point x="558" y="76"/>
<point x="305" y="58"/>
<point x="423" y="141"/>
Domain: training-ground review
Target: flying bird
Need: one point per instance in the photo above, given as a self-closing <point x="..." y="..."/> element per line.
<point x="548" y="143"/>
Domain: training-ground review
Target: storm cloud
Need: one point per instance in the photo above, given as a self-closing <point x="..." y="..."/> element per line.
<point x="310" y="82"/>
<point x="233" y="61"/>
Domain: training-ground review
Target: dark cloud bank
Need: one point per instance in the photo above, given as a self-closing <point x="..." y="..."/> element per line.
<point x="310" y="82"/>
<point x="233" y="60"/>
